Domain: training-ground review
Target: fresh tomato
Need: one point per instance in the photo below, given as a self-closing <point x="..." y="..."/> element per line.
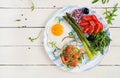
<point x="87" y="18"/>
<point x="94" y="18"/>
<point x="92" y="23"/>
<point x="84" y="23"/>
<point x="91" y="30"/>
<point x="97" y="28"/>
<point x="85" y="29"/>
<point x="100" y="25"/>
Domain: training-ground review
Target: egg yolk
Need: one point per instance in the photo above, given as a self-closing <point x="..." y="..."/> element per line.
<point x="57" y="29"/>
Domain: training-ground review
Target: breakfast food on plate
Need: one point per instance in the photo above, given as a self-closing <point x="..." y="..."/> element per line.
<point x="79" y="39"/>
<point x="82" y="22"/>
<point x="77" y="14"/>
<point x="90" y="24"/>
<point x="71" y="56"/>
<point x="57" y="29"/>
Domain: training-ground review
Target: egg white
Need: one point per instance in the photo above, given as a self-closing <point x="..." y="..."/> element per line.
<point x="58" y="39"/>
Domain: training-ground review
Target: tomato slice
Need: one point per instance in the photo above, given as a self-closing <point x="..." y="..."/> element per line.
<point x="94" y="17"/>
<point x="92" y="23"/>
<point x="96" y="20"/>
<point x="87" y="18"/>
<point x="97" y="28"/>
<point x="85" y="29"/>
<point x="84" y="23"/>
<point x="100" y="25"/>
<point x="91" y="30"/>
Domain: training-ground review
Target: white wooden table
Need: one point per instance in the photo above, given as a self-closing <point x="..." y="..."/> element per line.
<point x="20" y="58"/>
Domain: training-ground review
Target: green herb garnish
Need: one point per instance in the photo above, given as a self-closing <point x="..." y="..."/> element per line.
<point x="71" y="35"/>
<point x="100" y="41"/>
<point x="32" y="39"/>
<point x="62" y="54"/>
<point x="54" y="52"/>
<point x="94" y="1"/>
<point x="58" y="19"/>
<point x="68" y="64"/>
<point x="110" y="14"/>
<point x="32" y="5"/>
<point x="103" y="1"/>
<point x="35" y="38"/>
<point x="18" y="20"/>
<point x="53" y="45"/>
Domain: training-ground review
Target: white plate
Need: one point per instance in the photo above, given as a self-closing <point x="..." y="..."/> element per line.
<point x="49" y="37"/>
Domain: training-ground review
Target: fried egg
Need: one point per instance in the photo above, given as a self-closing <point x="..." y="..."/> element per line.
<point x="57" y="29"/>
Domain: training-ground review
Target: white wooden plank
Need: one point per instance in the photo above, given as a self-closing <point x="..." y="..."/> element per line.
<point x="54" y="72"/>
<point x="37" y="18"/>
<point x="114" y="32"/>
<point x="112" y="56"/>
<point x="51" y="3"/>
<point x="23" y="55"/>
<point x="37" y="55"/>
<point x="19" y="36"/>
